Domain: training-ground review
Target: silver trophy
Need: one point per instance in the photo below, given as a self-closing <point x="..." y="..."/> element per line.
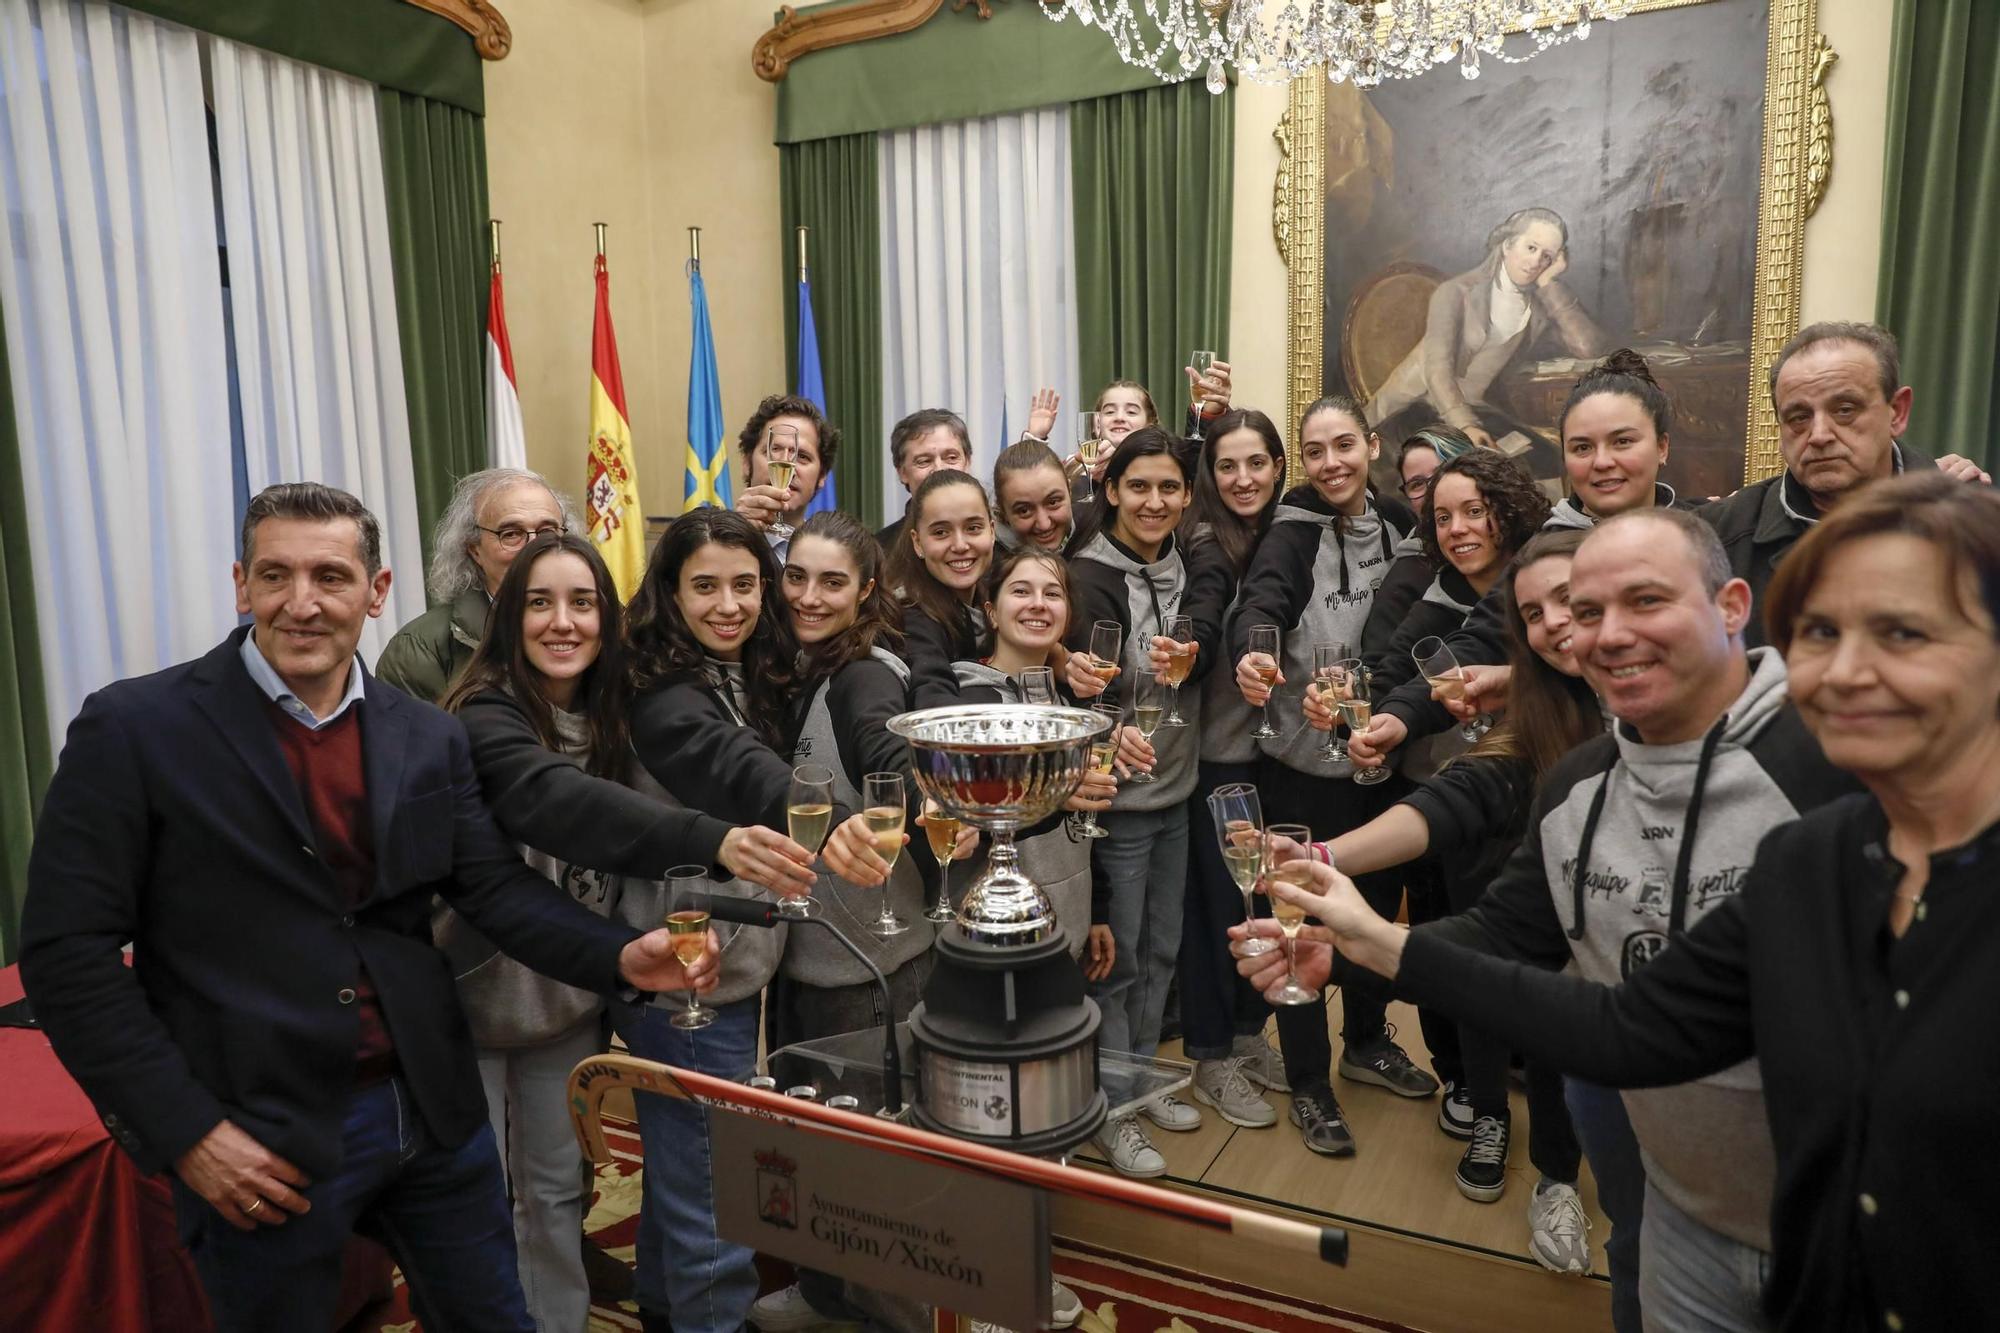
<point x="1000" y="768"/>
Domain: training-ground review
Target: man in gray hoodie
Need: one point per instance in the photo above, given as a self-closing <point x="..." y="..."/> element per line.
<point x="1633" y="838"/>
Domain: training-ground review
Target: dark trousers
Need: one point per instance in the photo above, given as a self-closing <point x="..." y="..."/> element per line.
<point x="1600" y="1119"/>
<point x="441" y="1211"/>
<point x="1217" y="1004"/>
<point x="1331" y="806"/>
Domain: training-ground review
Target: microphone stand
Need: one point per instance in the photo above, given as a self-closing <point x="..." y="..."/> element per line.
<point x="750" y="912"/>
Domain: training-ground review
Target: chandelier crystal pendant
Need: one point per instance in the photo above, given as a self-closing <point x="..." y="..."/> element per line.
<point x="1361" y="42"/>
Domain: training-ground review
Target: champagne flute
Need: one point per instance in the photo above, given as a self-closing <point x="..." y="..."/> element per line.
<point x="1180" y="661"/>
<point x="1356" y="709"/>
<point x="1329" y="677"/>
<point x="882" y="806"/>
<point x="1107" y="640"/>
<point x="687" y="923"/>
<point x="1038" y="685"/>
<point x="942" y="830"/>
<point x="1290" y="916"/>
<point x="1264" y="639"/>
<point x="1088" y="442"/>
<point x="1447" y="680"/>
<point x="808" y="814"/>
<point x="1147" y="710"/>
<point x="1239" y="830"/>
<point x="781" y="459"/>
<point x="1103" y="751"/>
<point x="1200" y="363"/>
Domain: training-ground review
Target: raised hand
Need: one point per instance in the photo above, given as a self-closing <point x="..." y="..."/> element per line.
<point x="1042" y="413"/>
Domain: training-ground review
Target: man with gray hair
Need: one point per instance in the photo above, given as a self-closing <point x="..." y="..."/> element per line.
<point x="492" y="515"/>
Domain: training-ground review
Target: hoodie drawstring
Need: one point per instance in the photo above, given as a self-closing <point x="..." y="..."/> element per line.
<point x="1582" y="866"/>
<point x="1678" y="921"/>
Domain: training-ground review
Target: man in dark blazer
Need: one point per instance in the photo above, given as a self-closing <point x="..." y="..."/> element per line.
<point x="267" y="826"/>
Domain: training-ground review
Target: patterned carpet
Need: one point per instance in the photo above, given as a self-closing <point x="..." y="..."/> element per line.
<point x="1120" y="1293"/>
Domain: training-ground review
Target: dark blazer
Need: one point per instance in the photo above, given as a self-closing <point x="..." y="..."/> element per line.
<point x="172" y="822"/>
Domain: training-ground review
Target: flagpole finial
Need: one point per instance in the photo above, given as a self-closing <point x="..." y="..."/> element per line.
<point x="600" y="238"/>
<point x="494" y="225"/>
<point x="802" y="253"/>
<point x="694" y="245"/>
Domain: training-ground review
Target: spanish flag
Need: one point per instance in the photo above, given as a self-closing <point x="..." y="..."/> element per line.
<point x="611" y="483"/>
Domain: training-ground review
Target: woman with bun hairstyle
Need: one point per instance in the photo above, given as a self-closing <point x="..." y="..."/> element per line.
<point x="1031" y="495"/>
<point x="935" y="570"/>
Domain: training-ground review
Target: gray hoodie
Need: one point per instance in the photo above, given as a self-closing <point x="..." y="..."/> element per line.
<point x="1153" y="592"/>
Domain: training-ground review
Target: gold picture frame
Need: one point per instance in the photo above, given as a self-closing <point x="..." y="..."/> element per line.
<point x="1796" y="157"/>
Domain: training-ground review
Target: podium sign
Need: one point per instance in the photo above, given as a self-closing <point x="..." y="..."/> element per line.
<point x="955" y="1239"/>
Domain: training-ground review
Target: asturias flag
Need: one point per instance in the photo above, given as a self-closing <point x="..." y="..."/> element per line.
<point x="811" y="386"/>
<point x="506" y="441"/>
<point x="611" y="484"/>
<point x="707" y="459"/>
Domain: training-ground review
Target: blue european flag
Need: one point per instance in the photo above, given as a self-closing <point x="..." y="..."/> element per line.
<point x="811" y="386"/>
<point x="707" y="457"/>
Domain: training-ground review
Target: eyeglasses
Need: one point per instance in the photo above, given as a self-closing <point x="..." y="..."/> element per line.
<point x="513" y="537"/>
<point x="1416" y="488"/>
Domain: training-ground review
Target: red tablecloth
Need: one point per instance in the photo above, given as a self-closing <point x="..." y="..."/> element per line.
<point x="86" y="1240"/>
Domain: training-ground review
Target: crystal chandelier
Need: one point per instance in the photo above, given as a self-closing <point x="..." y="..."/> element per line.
<point x="1356" y="41"/>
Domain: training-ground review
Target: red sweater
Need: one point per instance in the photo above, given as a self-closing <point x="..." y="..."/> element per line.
<point x="327" y="766"/>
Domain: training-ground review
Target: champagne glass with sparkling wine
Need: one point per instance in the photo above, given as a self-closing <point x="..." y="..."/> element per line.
<point x="1088" y="442"/>
<point x="1290" y="915"/>
<point x="1103" y="752"/>
<point x="942" y="830"/>
<point x="808" y="814"/>
<point x="1201" y="363"/>
<point x="1264" y="641"/>
<point x="1107" y="640"/>
<point x="1147" y="711"/>
<point x="882" y="806"/>
<point x="781" y="458"/>
<point x="1180" y="661"/>
<point x="1447" y="680"/>
<point x="1239" y="830"/>
<point x="1357" y="710"/>
<point x="687" y="923"/>
<point x="1330" y="664"/>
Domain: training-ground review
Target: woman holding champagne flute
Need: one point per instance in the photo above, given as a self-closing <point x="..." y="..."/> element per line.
<point x="715" y="664"/>
<point x="1311" y="584"/>
<point x="936" y="570"/>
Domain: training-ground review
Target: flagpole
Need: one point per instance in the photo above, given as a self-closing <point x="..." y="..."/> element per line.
<point x="600" y="238"/>
<point x="494" y="224"/>
<point x="802" y="254"/>
<point x="694" y="246"/>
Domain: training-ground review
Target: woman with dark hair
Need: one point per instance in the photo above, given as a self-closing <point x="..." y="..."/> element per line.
<point x="1412" y="570"/>
<point x="1855" y="961"/>
<point x="935" y="572"/>
<point x="715" y="664"/>
<point x="543" y="699"/>
<point x="1313" y="579"/>
<point x="1031" y="494"/>
<point x="1133" y="572"/>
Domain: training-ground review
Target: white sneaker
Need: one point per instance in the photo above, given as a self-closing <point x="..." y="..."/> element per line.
<point x="785" y="1310"/>
<point x="1261" y="1065"/>
<point x="1172" y="1114"/>
<point x="1221" y="1084"/>
<point x="1065" y="1306"/>
<point x="1127" y="1148"/>
<point x="1558" y="1230"/>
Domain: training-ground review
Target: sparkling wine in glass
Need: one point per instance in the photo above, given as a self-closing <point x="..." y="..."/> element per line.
<point x="781" y="459"/>
<point x="1200" y="363"/>
<point x="1264" y="641"/>
<point x="1103" y="751"/>
<point x="1088" y="442"/>
<point x="1148" y="710"/>
<point x="1038" y="685"/>
<point x="882" y="807"/>
<point x="1290" y="916"/>
<point x="1180" y="661"/>
<point x="942" y="830"/>
<point x="687" y="923"/>
<point x="808" y="815"/>
<point x="1357" y="710"/>
<point x="1447" y="680"/>
<point x="1329" y="679"/>
<point x="1107" y="640"/>
<point x="1239" y="832"/>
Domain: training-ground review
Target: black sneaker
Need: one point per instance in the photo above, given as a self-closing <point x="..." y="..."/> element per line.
<point x="1320" y="1124"/>
<point x="1386" y="1065"/>
<point x="1482" y="1171"/>
<point x="1455" y="1111"/>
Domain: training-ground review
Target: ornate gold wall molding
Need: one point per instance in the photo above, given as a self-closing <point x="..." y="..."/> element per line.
<point x="1794" y="79"/>
<point x="491" y="36"/>
<point x="1819" y="137"/>
<point x="795" y="35"/>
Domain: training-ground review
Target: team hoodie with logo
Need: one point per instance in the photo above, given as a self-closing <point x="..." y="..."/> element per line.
<point x="1628" y="845"/>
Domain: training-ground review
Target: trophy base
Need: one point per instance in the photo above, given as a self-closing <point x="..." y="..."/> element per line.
<point x="1005" y="907"/>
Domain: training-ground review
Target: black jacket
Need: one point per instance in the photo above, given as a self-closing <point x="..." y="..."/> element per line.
<point x="1405" y="582"/>
<point x="689" y="741"/>
<point x="1476" y="809"/>
<point x="1880" y="1056"/>
<point x="1098" y="592"/>
<point x="1427" y="617"/>
<point x="173" y="822"/>
<point x="543" y="798"/>
<point x="930" y="648"/>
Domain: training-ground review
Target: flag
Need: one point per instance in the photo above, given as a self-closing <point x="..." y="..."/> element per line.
<point x="506" y="442"/>
<point x="812" y="387"/>
<point x="707" y="459"/>
<point x="611" y="483"/>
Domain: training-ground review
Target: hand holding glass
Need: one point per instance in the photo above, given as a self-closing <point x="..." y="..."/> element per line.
<point x="1290" y="917"/>
<point x="1180" y="661"/>
<point x="1447" y="680"/>
<point x="1264" y="640"/>
<point x="882" y="806"/>
<point x="808" y="815"/>
<point x="687" y="923"/>
<point x="1239" y="831"/>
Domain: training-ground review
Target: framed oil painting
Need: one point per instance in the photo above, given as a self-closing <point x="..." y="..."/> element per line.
<point x="1480" y="242"/>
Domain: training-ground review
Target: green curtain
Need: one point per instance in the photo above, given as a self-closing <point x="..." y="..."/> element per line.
<point x="434" y="168"/>
<point x="26" y="757"/>
<point x="1939" y="288"/>
<point x="829" y="187"/>
<point x="1152" y="178"/>
<point x="391" y="43"/>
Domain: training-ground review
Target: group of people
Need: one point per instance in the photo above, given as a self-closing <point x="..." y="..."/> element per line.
<point x="288" y="841"/>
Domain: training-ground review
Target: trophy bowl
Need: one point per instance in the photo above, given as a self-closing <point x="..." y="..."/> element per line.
<point x="1000" y="767"/>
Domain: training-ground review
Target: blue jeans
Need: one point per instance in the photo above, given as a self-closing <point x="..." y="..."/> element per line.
<point x="685" y="1271"/>
<point x="1695" y="1280"/>
<point x="1598" y="1114"/>
<point x="441" y="1210"/>
<point x="1144" y="859"/>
